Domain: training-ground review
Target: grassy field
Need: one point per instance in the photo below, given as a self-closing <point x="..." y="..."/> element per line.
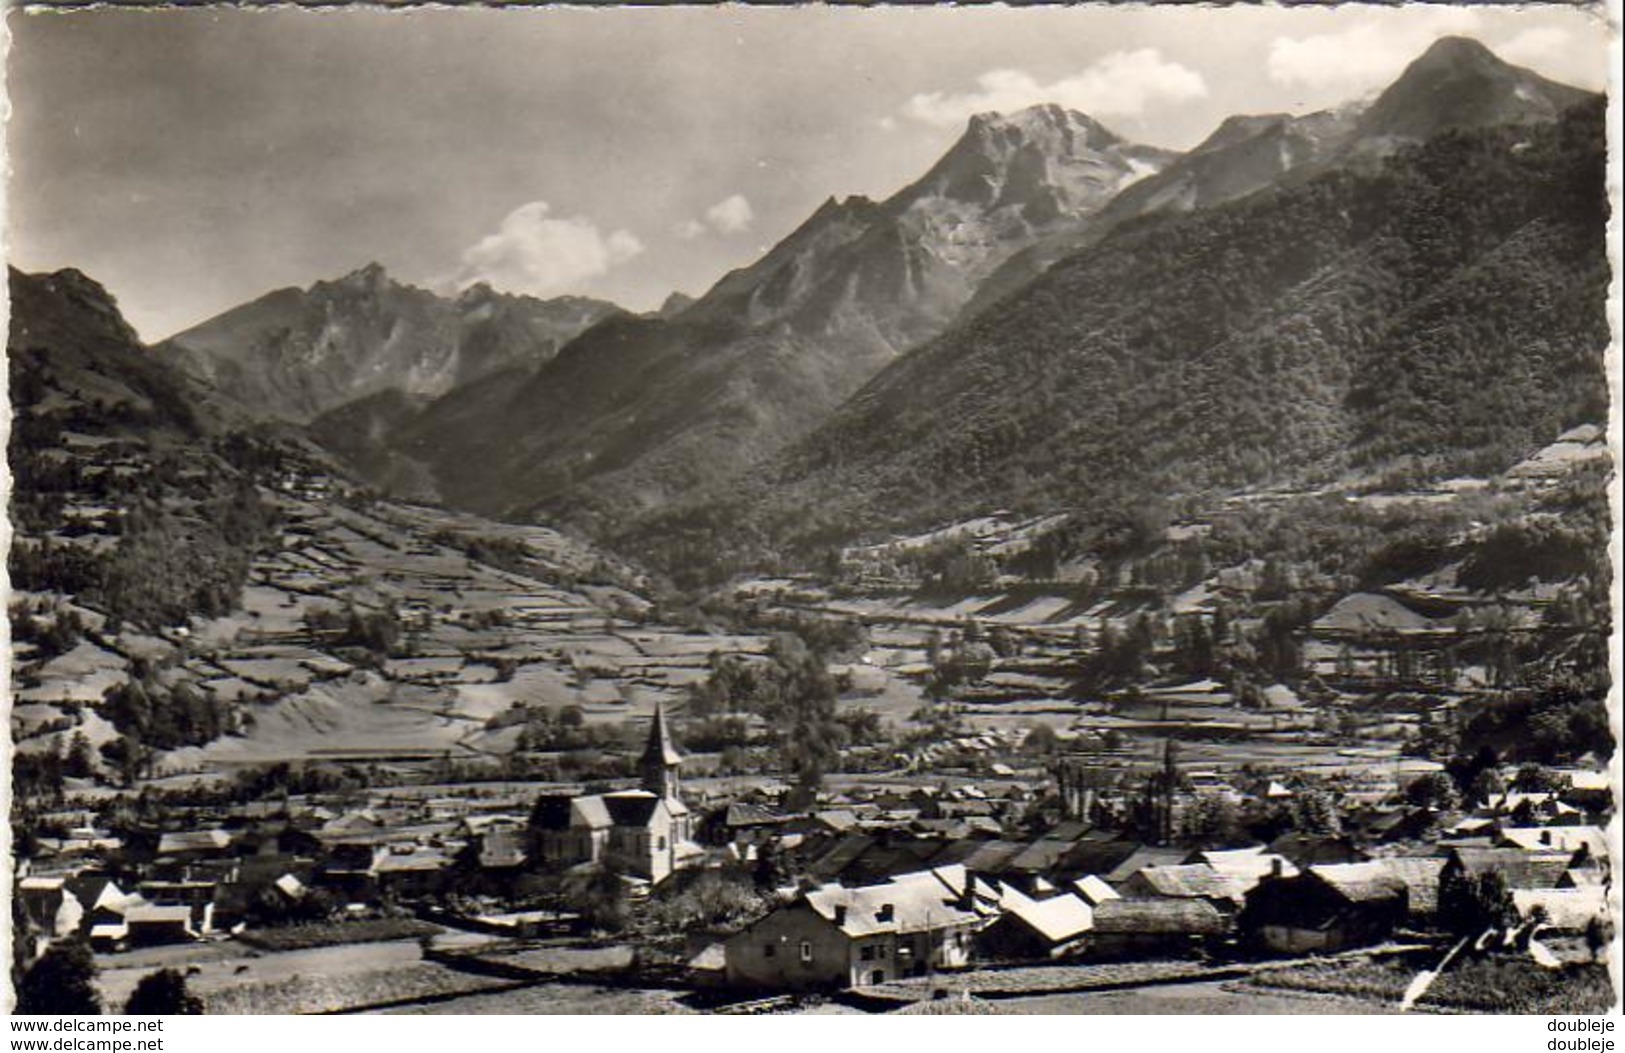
<point x="1481" y="985"/>
<point x="555" y="999"/>
<point x="1195" y="999"/>
<point x="338" y="934"/>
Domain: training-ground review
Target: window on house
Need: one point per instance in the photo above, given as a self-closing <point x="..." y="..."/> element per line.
<point x="806" y="950"/>
<point x="768" y="950"/>
<point x="867" y="954"/>
<point x="661" y="845"/>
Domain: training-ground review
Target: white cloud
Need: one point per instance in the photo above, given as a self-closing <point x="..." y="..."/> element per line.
<point x="1546" y="49"/>
<point x="1123" y="83"/>
<point x="730" y="216"/>
<point x="536" y="253"/>
<point x="1365" y="56"/>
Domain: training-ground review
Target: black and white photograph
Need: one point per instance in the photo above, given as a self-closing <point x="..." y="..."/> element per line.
<point x="812" y="511"/>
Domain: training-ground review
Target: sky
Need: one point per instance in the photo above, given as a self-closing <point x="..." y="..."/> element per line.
<point x="192" y="160"/>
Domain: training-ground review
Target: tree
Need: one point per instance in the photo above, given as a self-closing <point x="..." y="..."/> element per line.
<point x="800" y="703"/>
<point x="1598" y="936"/>
<point x="599" y="897"/>
<point x="1470" y="904"/>
<point x="1486" y="784"/>
<point x="1533" y="778"/>
<point x="771" y="871"/>
<point x="1213" y="820"/>
<point x="1041" y="739"/>
<point x="1314" y="812"/>
<point x="78" y="763"/>
<point x="163" y="993"/>
<point x="1434" y="790"/>
<point x="61" y="983"/>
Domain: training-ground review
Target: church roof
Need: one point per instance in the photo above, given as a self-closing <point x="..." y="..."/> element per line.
<point x="661" y="749"/>
<point x="631" y="807"/>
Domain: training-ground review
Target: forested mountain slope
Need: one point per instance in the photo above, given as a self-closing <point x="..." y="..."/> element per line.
<point x="1442" y="312"/>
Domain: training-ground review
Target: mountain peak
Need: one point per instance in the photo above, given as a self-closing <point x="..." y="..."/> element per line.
<point x="478" y="293"/>
<point x="371" y="277"/>
<point x="1042" y="121"/>
<point x="1458" y="83"/>
<point x="1457" y="53"/>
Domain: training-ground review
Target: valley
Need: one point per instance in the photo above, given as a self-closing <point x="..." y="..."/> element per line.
<point x="1094" y="578"/>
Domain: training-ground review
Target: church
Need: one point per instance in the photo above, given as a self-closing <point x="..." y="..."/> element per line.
<point x="643" y="833"/>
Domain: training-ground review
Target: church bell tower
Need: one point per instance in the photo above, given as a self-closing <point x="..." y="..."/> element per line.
<point x="660" y="759"/>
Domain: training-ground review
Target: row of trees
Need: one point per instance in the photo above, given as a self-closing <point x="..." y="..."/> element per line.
<point x="62" y="982"/>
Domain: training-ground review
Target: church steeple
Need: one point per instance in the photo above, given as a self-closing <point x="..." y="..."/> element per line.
<point x="660" y="759"/>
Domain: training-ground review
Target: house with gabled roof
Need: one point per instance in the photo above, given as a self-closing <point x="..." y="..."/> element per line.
<point x="1325" y="908"/>
<point x="1185" y="881"/>
<point x="836" y="937"/>
<point x="1562" y="909"/>
<point x="1031" y="929"/>
<point x="49" y="905"/>
<point x="1571" y="839"/>
<point x="1246" y="866"/>
<point x="1519" y="868"/>
<point x="1125" y="928"/>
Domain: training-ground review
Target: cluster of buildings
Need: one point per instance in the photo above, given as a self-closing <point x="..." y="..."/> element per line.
<point x="887" y="901"/>
<point x="223" y="868"/>
<point x="1102" y="898"/>
<point x="877" y="885"/>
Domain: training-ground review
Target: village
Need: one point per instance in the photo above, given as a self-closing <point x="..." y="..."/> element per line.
<point x="990" y="881"/>
<point x="432" y="762"/>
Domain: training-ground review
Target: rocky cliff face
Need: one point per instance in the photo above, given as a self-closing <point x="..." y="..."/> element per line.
<point x="296" y="353"/>
<point x="641" y="412"/>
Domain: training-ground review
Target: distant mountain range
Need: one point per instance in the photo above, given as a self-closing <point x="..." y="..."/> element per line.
<point x="1051" y="315"/>
<point x="296" y="353"/>
<point x="1390" y="308"/>
<point x="1443" y="314"/>
<point x="1456" y="85"/>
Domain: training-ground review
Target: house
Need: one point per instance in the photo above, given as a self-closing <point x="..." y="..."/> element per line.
<point x="1246" y="866"/>
<point x="1573" y="839"/>
<point x="1142" y="857"/>
<point x="103" y="901"/>
<point x="744" y="823"/>
<point x="1562" y="909"/>
<point x="1324" y="908"/>
<point x="1590" y="790"/>
<point x="1093" y="890"/>
<point x="835" y="937"/>
<point x="1129" y="928"/>
<point x="1420" y="876"/>
<point x="500" y="844"/>
<point x="643" y="833"/>
<point x="1185" y="881"/>
<point x="1518" y="868"/>
<point x="187" y="846"/>
<point x="409" y="871"/>
<point x="1306" y="850"/>
<point x="49" y="906"/>
<point x="196" y="896"/>
<point x="149" y="925"/>
<point x="1036" y="929"/>
<point x="347" y="870"/>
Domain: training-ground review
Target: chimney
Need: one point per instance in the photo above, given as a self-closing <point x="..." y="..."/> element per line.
<point x="967" y="898"/>
<point x="1545" y="837"/>
<point x="885" y="913"/>
<point x="1276" y="866"/>
<point x="840" y="914"/>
